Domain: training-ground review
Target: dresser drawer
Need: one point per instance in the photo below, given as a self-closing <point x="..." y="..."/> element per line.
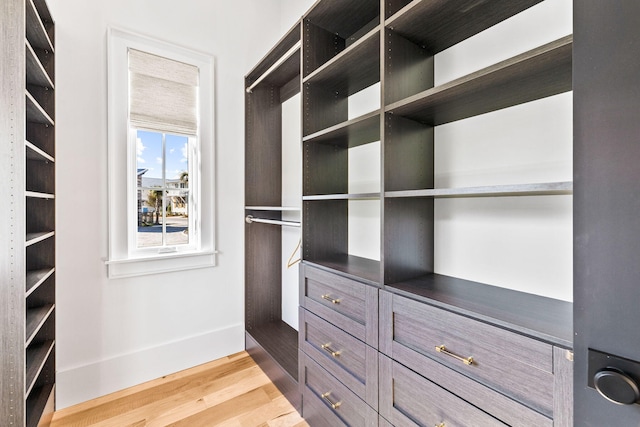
<point x="327" y="402"/>
<point x="401" y="404"/>
<point x="350" y="305"/>
<point x="518" y="366"/>
<point x="350" y="360"/>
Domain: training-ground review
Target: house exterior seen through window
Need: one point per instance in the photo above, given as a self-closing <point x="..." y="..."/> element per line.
<point x="163" y="198"/>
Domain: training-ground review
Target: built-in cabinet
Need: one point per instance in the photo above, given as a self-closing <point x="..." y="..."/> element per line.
<point x="384" y="339"/>
<point x="27" y="156"/>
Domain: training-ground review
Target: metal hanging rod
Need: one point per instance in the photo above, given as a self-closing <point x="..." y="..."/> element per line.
<point x="279" y="62"/>
<point x="250" y="218"/>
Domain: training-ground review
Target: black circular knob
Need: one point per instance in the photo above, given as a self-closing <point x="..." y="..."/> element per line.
<point x="616" y="386"/>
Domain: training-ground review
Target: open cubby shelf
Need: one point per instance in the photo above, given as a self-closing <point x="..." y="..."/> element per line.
<point x="538" y="73"/>
<point x="37" y="277"/>
<point x="280" y="341"/>
<point x="438" y="25"/>
<point x="362" y="269"/>
<point x="354" y="69"/>
<point x="351" y="196"/>
<point x="36" y="317"/>
<point x="37" y="355"/>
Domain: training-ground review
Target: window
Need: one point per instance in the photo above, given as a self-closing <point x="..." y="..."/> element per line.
<point x="160" y="156"/>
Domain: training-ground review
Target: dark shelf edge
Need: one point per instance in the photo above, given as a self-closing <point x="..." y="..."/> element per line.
<point x="33" y="238"/>
<point x="342" y="129"/>
<point x="351" y="196"/>
<point x="546" y="319"/>
<point x="350" y="266"/>
<point x="509" y="190"/>
<point x="41" y="154"/>
<point x="35" y="112"/>
<point x="32" y="58"/>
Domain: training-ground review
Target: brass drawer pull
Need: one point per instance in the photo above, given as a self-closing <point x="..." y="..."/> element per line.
<point x="326" y="395"/>
<point x="466" y="360"/>
<point x="440" y="425"/>
<point x="328" y="349"/>
<point x="332" y="300"/>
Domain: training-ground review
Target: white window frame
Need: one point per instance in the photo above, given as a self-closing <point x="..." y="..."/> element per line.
<point x="125" y="259"/>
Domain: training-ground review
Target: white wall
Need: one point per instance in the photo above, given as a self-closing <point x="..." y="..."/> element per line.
<point x="116" y="333"/>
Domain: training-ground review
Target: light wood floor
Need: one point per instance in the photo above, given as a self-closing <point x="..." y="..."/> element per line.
<point x="230" y="392"/>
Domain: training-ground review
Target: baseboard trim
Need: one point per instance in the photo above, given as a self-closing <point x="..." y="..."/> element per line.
<point x="93" y="380"/>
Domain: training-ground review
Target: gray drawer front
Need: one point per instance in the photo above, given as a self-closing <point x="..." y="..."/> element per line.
<point x="400" y="403"/>
<point x="348" y="304"/>
<point x="316" y="409"/>
<point x="350" y="360"/>
<point x="515" y="365"/>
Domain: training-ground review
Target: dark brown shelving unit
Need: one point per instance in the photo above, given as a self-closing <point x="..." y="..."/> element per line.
<point x="347" y="47"/>
<point x="270" y="341"/>
<point x="28" y="157"/>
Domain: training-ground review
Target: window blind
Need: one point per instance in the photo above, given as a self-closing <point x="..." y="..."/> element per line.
<point x="163" y="93"/>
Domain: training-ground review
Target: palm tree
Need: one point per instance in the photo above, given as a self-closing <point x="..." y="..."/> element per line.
<point x="155" y="199"/>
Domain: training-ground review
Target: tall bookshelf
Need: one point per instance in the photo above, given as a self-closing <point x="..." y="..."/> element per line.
<point x="28" y="167"/>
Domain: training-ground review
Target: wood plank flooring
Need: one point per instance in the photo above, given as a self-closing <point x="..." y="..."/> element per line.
<point x="229" y="392"/>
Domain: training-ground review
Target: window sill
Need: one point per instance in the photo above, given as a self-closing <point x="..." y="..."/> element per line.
<point x="160" y="263"/>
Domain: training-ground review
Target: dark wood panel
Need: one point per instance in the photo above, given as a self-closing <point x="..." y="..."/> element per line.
<point x="408" y="238"/>
<point x="37" y="355"/>
<point x="263" y="150"/>
<point x="37" y="74"/>
<point x="324" y="229"/>
<point x="38" y="33"/>
<point x="606" y="175"/>
<point x="440" y="24"/>
<point x="42" y="136"/>
<point x="354" y="69"/>
<point x="36" y="113"/>
<point x="288" y="70"/>
<point x="407" y="70"/>
<point x="343" y="18"/>
<point x="41" y="255"/>
<point x="41" y="177"/>
<point x="280" y="342"/>
<point x="35" y="319"/>
<point x="547" y="319"/>
<point x="408" y="154"/>
<point x="319" y="47"/>
<point x="263" y="272"/>
<point x="541" y="72"/>
<point x="325" y="169"/>
<point x="322" y="109"/>
<point x="40" y="405"/>
<point x="41" y="215"/>
<point x="35" y="278"/>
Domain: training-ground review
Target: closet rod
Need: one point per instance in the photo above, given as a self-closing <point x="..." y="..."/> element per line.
<point x="249" y="219"/>
<point x="279" y="62"/>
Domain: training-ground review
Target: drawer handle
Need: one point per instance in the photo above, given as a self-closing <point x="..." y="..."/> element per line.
<point x="328" y="349"/>
<point x="466" y="360"/>
<point x="332" y="300"/>
<point x="440" y="425"/>
<point x="326" y="395"/>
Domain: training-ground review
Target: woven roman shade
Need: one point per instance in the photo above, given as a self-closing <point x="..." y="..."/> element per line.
<point x="163" y="93"/>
